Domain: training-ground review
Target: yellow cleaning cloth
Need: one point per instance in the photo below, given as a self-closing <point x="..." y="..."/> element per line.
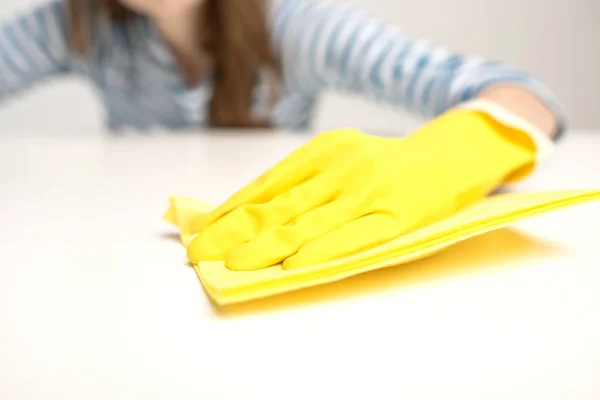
<point x="226" y="286"/>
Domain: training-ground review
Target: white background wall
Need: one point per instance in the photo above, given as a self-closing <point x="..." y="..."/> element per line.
<point x="557" y="40"/>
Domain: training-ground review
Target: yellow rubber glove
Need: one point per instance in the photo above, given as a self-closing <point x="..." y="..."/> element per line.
<point x="346" y="191"/>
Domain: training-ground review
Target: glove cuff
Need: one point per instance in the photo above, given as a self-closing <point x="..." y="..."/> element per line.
<point x="544" y="146"/>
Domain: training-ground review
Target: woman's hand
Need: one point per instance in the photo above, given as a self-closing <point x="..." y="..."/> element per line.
<point x="346" y="191"/>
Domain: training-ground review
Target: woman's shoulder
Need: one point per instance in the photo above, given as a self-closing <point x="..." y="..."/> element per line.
<point x="43" y="24"/>
<point x="278" y="8"/>
<point x="52" y="13"/>
<point x="298" y="13"/>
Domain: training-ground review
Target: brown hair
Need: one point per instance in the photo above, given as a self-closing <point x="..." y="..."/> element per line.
<point x="237" y="39"/>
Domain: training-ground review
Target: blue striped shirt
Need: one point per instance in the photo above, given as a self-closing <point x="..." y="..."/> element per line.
<point x="320" y="46"/>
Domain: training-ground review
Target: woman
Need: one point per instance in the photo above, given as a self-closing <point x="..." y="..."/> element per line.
<point x="255" y="63"/>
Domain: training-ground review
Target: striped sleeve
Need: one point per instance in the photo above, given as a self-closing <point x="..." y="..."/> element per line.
<point x="323" y="45"/>
<point x="33" y="46"/>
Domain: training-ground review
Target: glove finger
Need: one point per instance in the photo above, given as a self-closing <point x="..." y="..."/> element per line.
<point x="277" y="243"/>
<point x="246" y="222"/>
<point x="355" y="236"/>
<point x="298" y="167"/>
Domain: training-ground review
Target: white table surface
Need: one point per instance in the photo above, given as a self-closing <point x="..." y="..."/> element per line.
<point x="97" y="302"/>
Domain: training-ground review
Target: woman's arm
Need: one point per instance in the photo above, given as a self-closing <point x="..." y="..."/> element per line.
<point x="32" y="47"/>
<point x="323" y="45"/>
